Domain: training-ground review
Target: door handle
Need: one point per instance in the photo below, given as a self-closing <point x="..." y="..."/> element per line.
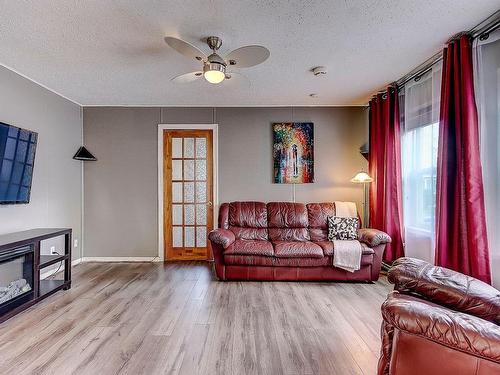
<point x="209" y="204"/>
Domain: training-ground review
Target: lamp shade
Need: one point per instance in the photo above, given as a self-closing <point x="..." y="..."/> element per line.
<point x="84" y="154"/>
<point x="361" y="178"/>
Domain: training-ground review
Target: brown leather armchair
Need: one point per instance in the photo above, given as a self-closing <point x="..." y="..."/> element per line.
<point x="438" y="321"/>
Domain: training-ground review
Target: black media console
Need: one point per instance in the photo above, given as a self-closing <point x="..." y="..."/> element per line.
<point x="26" y="276"/>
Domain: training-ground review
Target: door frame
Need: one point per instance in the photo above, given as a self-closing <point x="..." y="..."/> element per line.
<point x="215" y="198"/>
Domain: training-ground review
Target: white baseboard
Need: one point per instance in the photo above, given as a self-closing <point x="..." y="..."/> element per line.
<point x="76" y="261"/>
<point x="119" y="259"/>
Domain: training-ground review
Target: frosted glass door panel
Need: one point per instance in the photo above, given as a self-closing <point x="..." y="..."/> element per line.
<point x="201" y="236"/>
<point x="201" y="148"/>
<point x="189" y="236"/>
<point x="201" y="214"/>
<point x="189" y="170"/>
<point x="177" y="147"/>
<point x="189" y="214"/>
<point x="189" y="147"/>
<point x="177" y="214"/>
<point x="188" y="192"/>
<point x="176" y="170"/>
<point x="201" y="192"/>
<point x="201" y="170"/>
<point x="177" y="237"/>
<point x="177" y="192"/>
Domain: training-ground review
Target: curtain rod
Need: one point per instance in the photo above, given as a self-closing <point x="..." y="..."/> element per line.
<point x="419" y="70"/>
<point x="487" y="26"/>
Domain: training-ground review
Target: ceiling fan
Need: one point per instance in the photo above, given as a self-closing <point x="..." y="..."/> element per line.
<point x="214" y="67"/>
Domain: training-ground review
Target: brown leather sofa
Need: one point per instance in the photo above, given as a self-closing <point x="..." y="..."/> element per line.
<point x="286" y="241"/>
<point x="438" y="321"/>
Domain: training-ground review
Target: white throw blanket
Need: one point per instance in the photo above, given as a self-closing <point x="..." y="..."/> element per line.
<point x="346" y="209"/>
<point x="347" y="253"/>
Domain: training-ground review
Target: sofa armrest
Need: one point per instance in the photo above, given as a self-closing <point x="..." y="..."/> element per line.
<point x="455" y="330"/>
<point x="373" y="237"/>
<point x="222" y="237"/>
<point x="446" y="287"/>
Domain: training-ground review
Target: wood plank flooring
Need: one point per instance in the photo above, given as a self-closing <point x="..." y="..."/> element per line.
<point x="155" y="318"/>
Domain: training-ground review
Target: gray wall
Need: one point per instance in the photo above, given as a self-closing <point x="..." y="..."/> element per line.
<point x="56" y="192"/>
<point x="121" y="187"/>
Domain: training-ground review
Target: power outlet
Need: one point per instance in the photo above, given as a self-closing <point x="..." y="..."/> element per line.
<point x="53" y="250"/>
<point x="75" y="243"/>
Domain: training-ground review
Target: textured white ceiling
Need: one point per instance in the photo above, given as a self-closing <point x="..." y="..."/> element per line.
<point x="102" y="52"/>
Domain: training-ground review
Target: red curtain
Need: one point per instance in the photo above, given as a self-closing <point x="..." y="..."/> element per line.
<point x="385" y="168"/>
<point x="461" y="240"/>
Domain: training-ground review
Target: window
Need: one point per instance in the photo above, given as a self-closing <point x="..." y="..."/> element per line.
<point x="419" y="158"/>
<point x="420" y="131"/>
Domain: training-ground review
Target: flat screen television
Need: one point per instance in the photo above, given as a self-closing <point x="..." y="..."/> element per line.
<point x="17" y="159"/>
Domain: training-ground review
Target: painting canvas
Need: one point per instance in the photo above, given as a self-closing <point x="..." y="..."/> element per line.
<point x="293" y="152"/>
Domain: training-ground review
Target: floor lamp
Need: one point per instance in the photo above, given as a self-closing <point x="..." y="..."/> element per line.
<point x="363" y="178"/>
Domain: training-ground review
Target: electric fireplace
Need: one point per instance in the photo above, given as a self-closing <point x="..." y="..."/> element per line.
<point x="16" y="277"/>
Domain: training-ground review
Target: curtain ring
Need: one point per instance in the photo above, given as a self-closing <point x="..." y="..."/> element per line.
<point x="418" y="78"/>
<point x="484" y="36"/>
<point x="384" y="96"/>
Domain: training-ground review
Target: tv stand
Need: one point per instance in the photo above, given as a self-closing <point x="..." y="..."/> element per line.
<point x="20" y="252"/>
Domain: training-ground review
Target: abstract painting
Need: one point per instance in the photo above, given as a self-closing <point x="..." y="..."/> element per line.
<point x="293" y="152"/>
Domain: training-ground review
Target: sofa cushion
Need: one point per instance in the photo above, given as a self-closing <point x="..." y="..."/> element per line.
<point x="288" y="234"/>
<point x="297" y="249"/>
<point x="258" y="260"/>
<point x="317" y="214"/>
<point x="250" y="233"/>
<point x="287" y="215"/>
<point x="248" y="214"/>
<point x="287" y="221"/>
<point x="248" y="220"/>
<point x="250" y="247"/>
<point x="327" y="247"/>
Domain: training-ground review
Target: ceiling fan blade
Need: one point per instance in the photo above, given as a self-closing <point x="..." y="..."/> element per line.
<point x="236" y="78"/>
<point x="185" y="48"/>
<point x="187" y="77"/>
<point x="247" y="56"/>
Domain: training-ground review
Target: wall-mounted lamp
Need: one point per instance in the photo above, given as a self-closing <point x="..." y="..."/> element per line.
<point x="84" y="155"/>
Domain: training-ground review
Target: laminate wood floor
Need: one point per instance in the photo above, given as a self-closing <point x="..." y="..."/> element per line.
<point x="154" y="318"/>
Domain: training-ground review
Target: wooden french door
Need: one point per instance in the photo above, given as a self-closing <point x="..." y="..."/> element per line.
<point x="188" y="193"/>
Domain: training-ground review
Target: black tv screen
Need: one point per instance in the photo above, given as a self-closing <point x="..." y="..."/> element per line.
<point x="17" y="158"/>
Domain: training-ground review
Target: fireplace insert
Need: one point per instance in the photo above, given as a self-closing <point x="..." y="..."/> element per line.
<point x="17" y="271"/>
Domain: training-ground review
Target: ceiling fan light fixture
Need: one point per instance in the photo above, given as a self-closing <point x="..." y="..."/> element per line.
<point x="214" y="72"/>
<point x="215" y="68"/>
